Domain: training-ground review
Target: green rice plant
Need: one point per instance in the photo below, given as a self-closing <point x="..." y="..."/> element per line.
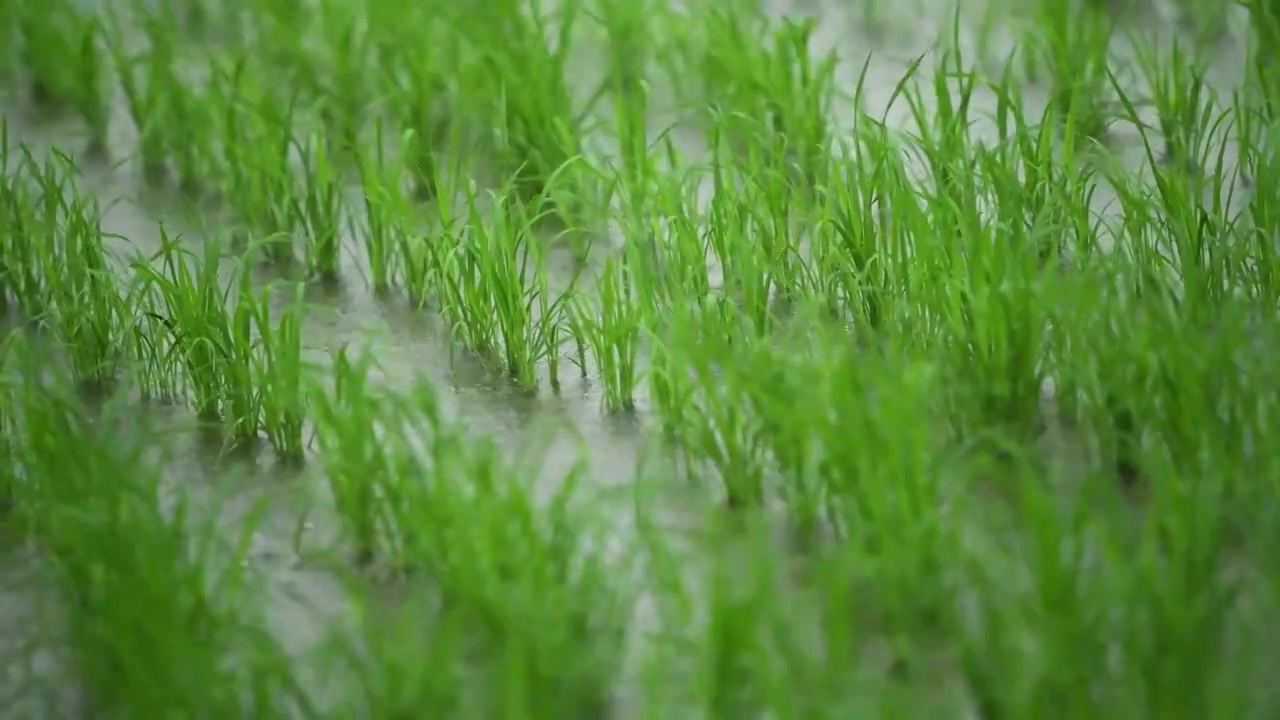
<point x="1073" y="44"/>
<point x="1186" y="112"/>
<point x="279" y="372"/>
<point x="59" y="270"/>
<point x="383" y="231"/>
<point x="1264" y="22"/>
<point x="494" y="273"/>
<point x="541" y="635"/>
<point x="629" y="28"/>
<point x="90" y="310"/>
<point x="340" y="68"/>
<point x="678" y="249"/>
<point x="357" y="446"/>
<point x="670" y="382"/>
<point x="188" y="639"/>
<point x="208" y="333"/>
<point x="740" y="628"/>
<point x="1206" y="21"/>
<point x="24" y="284"/>
<point x="144" y="92"/>
<point x="1047" y="200"/>
<point x="853" y="260"/>
<point x="995" y="324"/>
<point x="417" y="66"/>
<point x="257" y="135"/>
<point x="10" y="346"/>
<point x="637" y="170"/>
<point x="1260" y="155"/>
<point x="1189" y="236"/>
<point x="612" y="327"/>
<point x="319" y="210"/>
<point x="536" y="131"/>
<point x="549" y="626"/>
<point x="755" y="251"/>
<point x="172" y="114"/>
<point x="718" y="434"/>
<point x="776" y="96"/>
<point x="402" y="660"/>
<point x="8" y="47"/>
<point x="61" y="53"/>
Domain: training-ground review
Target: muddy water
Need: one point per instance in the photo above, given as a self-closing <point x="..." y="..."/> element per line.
<point x="288" y="506"/>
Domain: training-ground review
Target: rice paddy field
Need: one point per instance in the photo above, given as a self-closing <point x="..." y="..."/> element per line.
<point x="639" y="359"/>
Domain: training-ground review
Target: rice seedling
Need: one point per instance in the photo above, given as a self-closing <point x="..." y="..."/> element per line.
<point x="383" y="232"/>
<point x="418" y="66"/>
<point x="279" y="372"/>
<point x="319" y="210"/>
<point x="186" y="639"/>
<point x="63" y="57"/>
<point x="494" y="273"/>
<point x="350" y="428"/>
<point x="537" y="132"/>
<point x="777" y="96"/>
<point x="1073" y="44"/>
<point x="257" y="138"/>
<point x="342" y="72"/>
<point x="210" y="334"/>
<point x="612" y="331"/>
<point x="171" y="113"/>
<point x="527" y="615"/>
<point x="1186" y="116"/>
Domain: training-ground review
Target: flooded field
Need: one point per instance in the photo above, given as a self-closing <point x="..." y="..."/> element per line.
<point x="639" y="358"/>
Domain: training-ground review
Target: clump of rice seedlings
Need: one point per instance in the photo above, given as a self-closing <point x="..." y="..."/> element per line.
<point x="674" y="260"/>
<point x="172" y="114"/>
<point x="319" y="211"/>
<point x="493" y="274"/>
<point x="538" y="635"/>
<point x="670" y="383"/>
<point x="355" y="446"/>
<point x="1191" y="236"/>
<point x="715" y="430"/>
<point x="61" y="53"/>
<point x="416" y="64"/>
<point x="1206" y="21"/>
<point x="24" y="284"/>
<point x="144" y="95"/>
<point x="340" y="69"/>
<point x="852" y="261"/>
<point x="388" y="243"/>
<point x="278" y="370"/>
<point x="983" y="271"/>
<point x="776" y="95"/>
<point x="187" y="640"/>
<point x="210" y="334"/>
<point x="1048" y="203"/>
<point x="8" y="46"/>
<point x="1264" y="24"/>
<point x="10" y="346"/>
<point x="258" y="134"/>
<point x="537" y="133"/>
<point x="89" y="309"/>
<point x="755" y="248"/>
<point x="548" y="627"/>
<point x="746" y="605"/>
<point x="629" y="29"/>
<point x="1186" y="114"/>
<point x="59" y="271"/>
<point x="612" y="326"/>
<point x="402" y="659"/>
<point x="1073" y="43"/>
